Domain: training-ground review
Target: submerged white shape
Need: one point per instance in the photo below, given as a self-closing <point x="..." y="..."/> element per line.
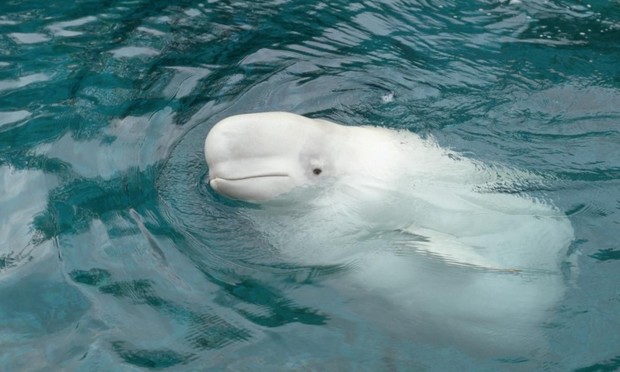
<point x="7" y="22"/>
<point x="133" y="51"/>
<point x="127" y="147"/>
<point x="192" y="12"/>
<point x="59" y="28"/>
<point x="24" y="196"/>
<point x="413" y="223"/>
<point x="29" y="38"/>
<point x="184" y="81"/>
<point x="23" y="81"/>
<point x="151" y="31"/>
<point x="9" y="117"/>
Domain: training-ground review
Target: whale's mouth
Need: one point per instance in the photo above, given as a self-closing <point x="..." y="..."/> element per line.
<point x="242" y="178"/>
<point x="256" y="187"/>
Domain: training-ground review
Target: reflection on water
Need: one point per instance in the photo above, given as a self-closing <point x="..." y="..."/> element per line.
<point x="24" y="196"/>
<point x="113" y="253"/>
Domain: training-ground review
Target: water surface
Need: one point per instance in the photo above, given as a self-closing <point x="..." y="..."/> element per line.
<point x="114" y="254"/>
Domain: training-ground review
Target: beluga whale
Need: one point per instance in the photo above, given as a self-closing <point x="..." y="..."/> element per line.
<point x="450" y="246"/>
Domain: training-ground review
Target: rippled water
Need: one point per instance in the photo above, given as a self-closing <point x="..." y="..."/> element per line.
<point x="114" y="254"/>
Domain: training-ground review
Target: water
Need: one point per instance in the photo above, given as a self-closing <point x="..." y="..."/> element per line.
<point x="115" y="255"/>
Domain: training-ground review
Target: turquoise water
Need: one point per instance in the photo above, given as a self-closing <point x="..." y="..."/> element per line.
<point x="115" y="255"/>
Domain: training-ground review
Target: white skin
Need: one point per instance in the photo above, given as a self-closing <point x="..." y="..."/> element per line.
<point x="382" y="183"/>
<point x="408" y="183"/>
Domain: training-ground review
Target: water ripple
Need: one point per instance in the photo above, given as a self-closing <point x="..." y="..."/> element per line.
<point x="118" y="254"/>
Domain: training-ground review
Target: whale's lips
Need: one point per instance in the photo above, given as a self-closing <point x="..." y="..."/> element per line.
<point x="213" y="176"/>
<point x="253" y="187"/>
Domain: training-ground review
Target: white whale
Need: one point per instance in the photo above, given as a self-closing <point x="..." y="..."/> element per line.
<point x="423" y="227"/>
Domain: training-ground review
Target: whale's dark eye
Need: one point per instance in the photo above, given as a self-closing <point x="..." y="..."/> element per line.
<point x="317" y="171"/>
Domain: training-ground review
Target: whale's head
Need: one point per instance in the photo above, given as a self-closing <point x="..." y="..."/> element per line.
<point x="257" y="157"/>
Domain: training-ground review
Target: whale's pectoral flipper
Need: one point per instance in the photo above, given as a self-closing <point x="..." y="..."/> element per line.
<point x="448" y="249"/>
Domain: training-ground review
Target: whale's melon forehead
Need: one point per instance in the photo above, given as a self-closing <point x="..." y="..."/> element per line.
<point x="279" y="124"/>
<point x="267" y="133"/>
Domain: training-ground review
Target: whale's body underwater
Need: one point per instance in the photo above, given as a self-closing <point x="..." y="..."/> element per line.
<point x="434" y="234"/>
